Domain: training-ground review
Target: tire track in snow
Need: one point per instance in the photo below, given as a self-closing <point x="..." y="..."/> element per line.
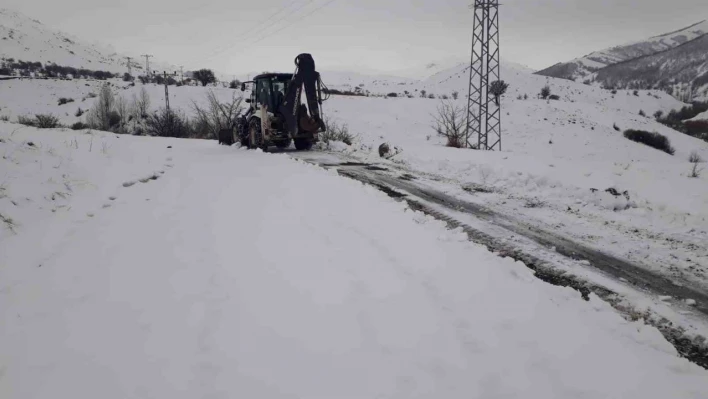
<point x="421" y="199"/>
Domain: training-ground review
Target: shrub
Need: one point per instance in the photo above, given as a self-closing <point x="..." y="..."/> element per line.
<point x="234" y="84"/>
<point x="554" y="97"/>
<point x="444" y="97"/>
<point x="216" y="116"/>
<point x="26" y="120"/>
<point x="642" y="113"/>
<point x="658" y="114"/>
<point x="79" y="126"/>
<point x="614" y="91"/>
<point x="5" y="118"/>
<point x="63" y="100"/>
<point x="171" y="81"/>
<point x="144" y="79"/>
<point x="450" y="123"/>
<point x="695" y="157"/>
<point x="652" y="139"/>
<point x="127" y="77"/>
<point x="545" y="92"/>
<point x="167" y="123"/>
<point x="636" y="93"/>
<point x="526" y="96"/>
<point x="423" y="94"/>
<point x="336" y="132"/>
<point x="616" y="127"/>
<point x="431" y="96"/>
<point x="455" y="95"/>
<point x="696" y="171"/>
<point x="46" y="121"/>
<point x="79" y="112"/>
<point x="392" y="95"/>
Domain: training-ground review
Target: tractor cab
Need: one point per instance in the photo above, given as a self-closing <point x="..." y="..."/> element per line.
<point x="268" y="89"/>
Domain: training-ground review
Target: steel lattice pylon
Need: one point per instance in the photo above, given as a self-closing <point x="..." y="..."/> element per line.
<point x="483" y="115"/>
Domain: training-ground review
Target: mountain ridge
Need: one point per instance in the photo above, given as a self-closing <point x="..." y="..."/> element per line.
<point x="583" y="67"/>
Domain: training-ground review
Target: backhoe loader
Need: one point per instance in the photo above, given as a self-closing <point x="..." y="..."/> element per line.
<point x="276" y="115"/>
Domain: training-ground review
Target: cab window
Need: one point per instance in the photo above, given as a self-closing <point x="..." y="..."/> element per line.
<point x="262" y="93"/>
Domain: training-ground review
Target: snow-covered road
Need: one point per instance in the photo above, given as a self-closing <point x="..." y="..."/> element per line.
<point x="242" y="274"/>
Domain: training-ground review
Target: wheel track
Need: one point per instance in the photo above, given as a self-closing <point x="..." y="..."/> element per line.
<point x="417" y="197"/>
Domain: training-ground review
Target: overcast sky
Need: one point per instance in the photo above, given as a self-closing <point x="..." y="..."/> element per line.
<point x="237" y="36"/>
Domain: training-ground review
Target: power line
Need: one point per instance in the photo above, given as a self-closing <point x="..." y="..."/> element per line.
<point x="264" y="28"/>
<point x="291" y="24"/>
<point x="259" y="30"/>
<point x="250" y="30"/>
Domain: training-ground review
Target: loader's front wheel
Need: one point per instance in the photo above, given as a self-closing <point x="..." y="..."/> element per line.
<point x="303" y="144"/>
<point x="255" y="138"/>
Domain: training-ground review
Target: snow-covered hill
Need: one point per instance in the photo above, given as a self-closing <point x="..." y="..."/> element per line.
<point x="684" y="65"/>
<point x="580" y="68"/>
<point x="26" y="39"/>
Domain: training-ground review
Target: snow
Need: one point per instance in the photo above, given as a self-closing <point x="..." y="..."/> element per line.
<point x="700" y="117"/>
<point x="556" y="153"/>
<point x="242" y="274"/>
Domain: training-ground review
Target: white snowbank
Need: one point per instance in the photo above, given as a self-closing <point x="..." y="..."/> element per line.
<point x="242" y="274"/>
<point x="701" y="117"/>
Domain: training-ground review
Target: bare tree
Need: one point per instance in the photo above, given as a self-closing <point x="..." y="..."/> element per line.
<point x="141" y="104"/>
<point x="545" y="92"/>
<point x="216" y="115"/>
<point x="99" y="117"/>
<point x="449" y="122"/>
<point x="121" y="107"/>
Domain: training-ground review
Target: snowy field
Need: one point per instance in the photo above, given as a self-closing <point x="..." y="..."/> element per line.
<point x="179" y="268"/>
<point x="556" y="154"/>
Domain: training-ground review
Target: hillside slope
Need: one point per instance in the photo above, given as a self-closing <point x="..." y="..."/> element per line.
<point x="685" y="64"/>
<point x="27" y="39"/>
<point x="580" y="68"/>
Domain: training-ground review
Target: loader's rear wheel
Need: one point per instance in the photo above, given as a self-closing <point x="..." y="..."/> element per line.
<point x="283" y="144"/>
<point x="255" y="138"/>
<point x="303" y="144"/>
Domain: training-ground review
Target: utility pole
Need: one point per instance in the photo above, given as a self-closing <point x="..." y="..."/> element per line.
<point x="181" y="74"/>
<point x="167" y="94"/>
<point x="483" y="115"/>
<point x="147" y="63"/>
<point x="130" y="71"/>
